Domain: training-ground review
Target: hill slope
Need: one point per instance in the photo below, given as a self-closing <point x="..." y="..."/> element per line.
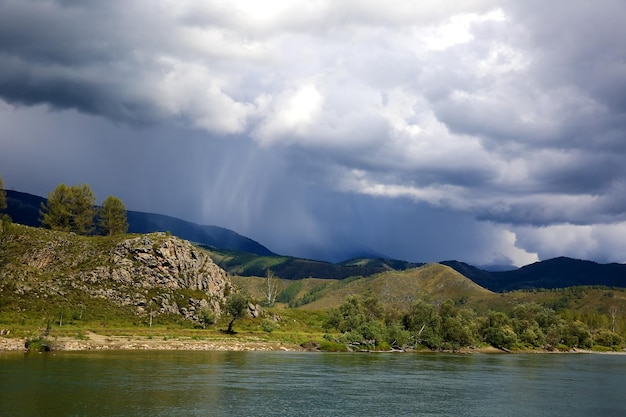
<point x="44" y="273"/>
<point x="24" y="209"/>
<point x="553" y="273"/>
<point x="243" y="256"/>
<point x="400" y="289"/>
<point x="287" y="267"/>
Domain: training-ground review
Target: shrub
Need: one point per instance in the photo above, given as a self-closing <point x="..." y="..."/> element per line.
<point x="38" y="344"/>
<point x="331" y="346"/>
<point x="501" y="337"/>
<point x="383" y="346"/>
<point x="207" y="317"/>
<point x="268" y="325"/>
<point x="607" y="338"/>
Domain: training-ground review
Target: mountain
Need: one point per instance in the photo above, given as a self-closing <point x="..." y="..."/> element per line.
<point x="287" y="267"/>
<point x="243" y="256"/>
<point x="400" y="289"/>
<point x="24" y="209"/>
<point x="553" y="273"/>
<point x="211" y="236"/>
<point x="497" y="267"/>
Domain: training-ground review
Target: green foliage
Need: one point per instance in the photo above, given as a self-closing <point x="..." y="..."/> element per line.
<point x="268" y="325"/>
<point x="501" y="337"/>
<point x="361" y="321"/>
<point x="5" y="221"/>
<point x="70" y="209"/>
<point x="579" y="335"/>
<point x="608" y="338"/>
<point x="314" y="294"/>
<point x="354" y="313"/>
<point x="332" y="346"/>
<point x="207" y="317"/>
<point x="236" y="307"/>
<point x="112" y="217"/>
<point x="424" y="323"/>
<point x="290" y="293"/>
<point x="3" y="195"/>
<point x="38" y="344"/>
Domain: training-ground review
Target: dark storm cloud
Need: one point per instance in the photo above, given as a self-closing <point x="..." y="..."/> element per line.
<point x="71" y="58"/>
<point x="337" y="125"/>
<point x="26" y="86"/>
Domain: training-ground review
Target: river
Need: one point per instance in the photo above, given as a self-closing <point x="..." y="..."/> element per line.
<point x="179" y="383"/>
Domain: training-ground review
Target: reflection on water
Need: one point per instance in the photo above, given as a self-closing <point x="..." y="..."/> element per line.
<point x="140" y="383"/>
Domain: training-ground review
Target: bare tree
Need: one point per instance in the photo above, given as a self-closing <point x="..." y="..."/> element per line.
<point x="272" y="288"/>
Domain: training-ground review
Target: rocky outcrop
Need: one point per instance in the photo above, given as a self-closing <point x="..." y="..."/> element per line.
<point x="148" y="274"/>
<point x="166" y="262"/>
<point x="161" y="274"/>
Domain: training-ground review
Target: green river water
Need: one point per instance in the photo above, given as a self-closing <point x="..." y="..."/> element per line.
<point x="177" y="383"/>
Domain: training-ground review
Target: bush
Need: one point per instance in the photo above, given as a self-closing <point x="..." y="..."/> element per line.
<point x="38" y="344"/>
<point x="501" y="337"/>
<point x="6" y="221"/>
<point x="383" y="346"/>
<point x="207" y="317"/>
<point x="397" y="336"/>
<point x="331" y="346"/>
<point x="607" y="338"/>
<point x="268" y="325"/>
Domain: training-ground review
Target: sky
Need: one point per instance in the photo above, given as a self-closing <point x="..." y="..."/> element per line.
<point x="487" y="131"/>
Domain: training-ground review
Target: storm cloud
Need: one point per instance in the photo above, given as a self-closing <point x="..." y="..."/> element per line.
<point x="485" y="131"/>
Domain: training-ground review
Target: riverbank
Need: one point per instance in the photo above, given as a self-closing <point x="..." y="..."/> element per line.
<point x="94" y="341"/>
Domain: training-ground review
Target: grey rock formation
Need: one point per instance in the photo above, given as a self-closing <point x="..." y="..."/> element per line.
<point x="150" y="274"/>
<point x="165" y="275"/>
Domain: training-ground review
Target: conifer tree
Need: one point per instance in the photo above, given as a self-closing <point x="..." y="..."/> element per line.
<point x="70" y="209"/>
<point x="112" y="216"/>
<point x="3" y="196"/>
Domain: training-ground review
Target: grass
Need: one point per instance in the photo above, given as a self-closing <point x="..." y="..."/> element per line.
<point x="290" y="326"/>
<point x="395" y="289"/>
<point x="40" y="271"/>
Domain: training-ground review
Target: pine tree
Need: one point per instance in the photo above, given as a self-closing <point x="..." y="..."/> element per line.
<point x="70" y="209"/>
<point x="3" y="195"/>
<point x="112" y="217"/>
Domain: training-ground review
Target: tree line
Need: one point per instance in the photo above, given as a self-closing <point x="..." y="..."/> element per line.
<point x="362" y="321"/>
<point x="73" y="209"/>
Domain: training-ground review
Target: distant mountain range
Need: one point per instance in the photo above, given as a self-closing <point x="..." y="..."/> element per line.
<point x="552" y="273"/>
<point x="24" y="209"/>
<point x="243" y="256"/>
<point x="287" y="267"/>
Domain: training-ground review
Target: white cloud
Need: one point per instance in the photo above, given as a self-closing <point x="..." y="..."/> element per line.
<point x="509" y="249"/>
<point x="457" y="29"/>
<point x="291" y="115"/>
<point x="505" y="111"/>
<point x="602" y="242"/>
<point x="194" y="93"/>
